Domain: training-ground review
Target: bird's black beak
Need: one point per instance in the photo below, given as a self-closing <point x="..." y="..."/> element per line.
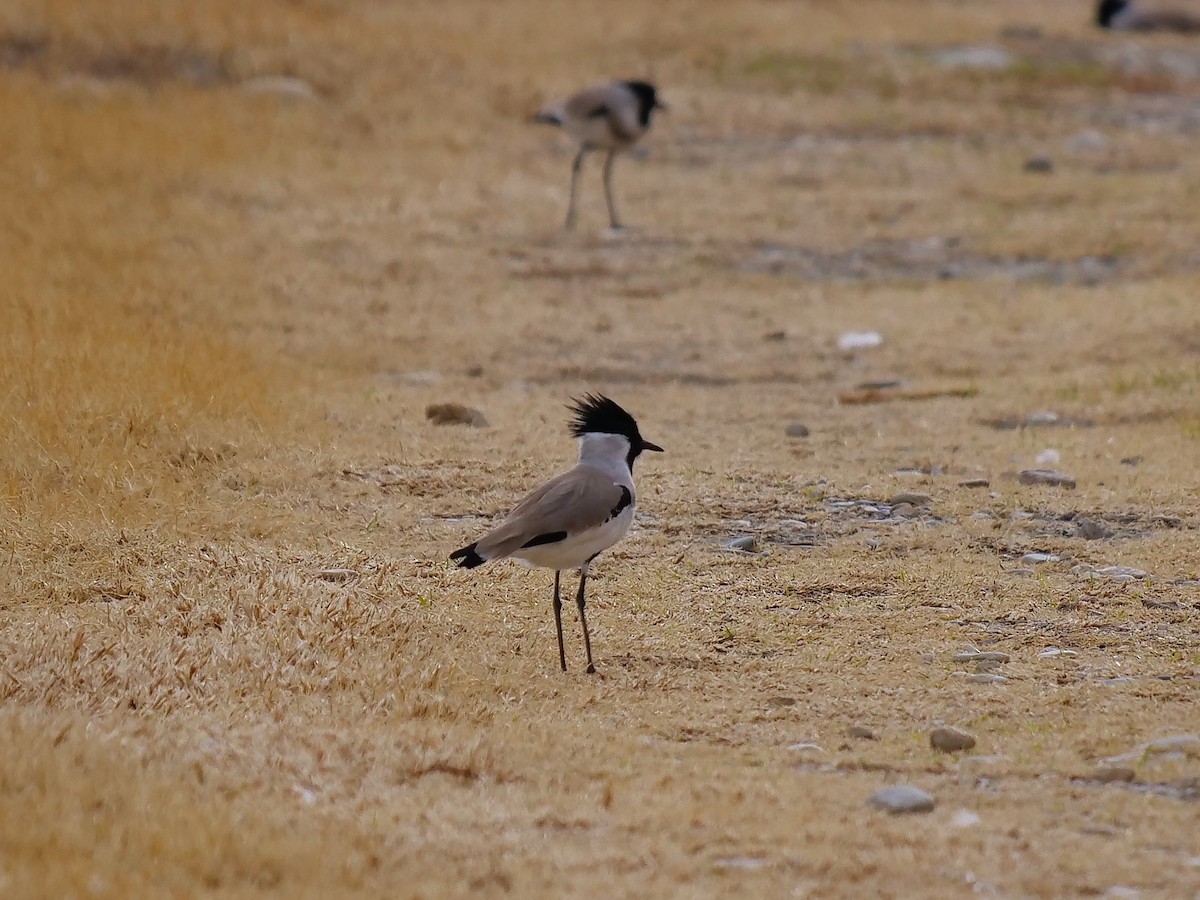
<point x="646" y="445"/>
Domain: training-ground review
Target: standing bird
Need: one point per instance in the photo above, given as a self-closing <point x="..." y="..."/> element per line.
<point x="610" y="117"/>
<point x="571" y="519"/>
<point x="1120" y="15"/>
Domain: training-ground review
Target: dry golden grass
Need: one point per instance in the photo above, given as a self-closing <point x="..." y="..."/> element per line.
<point x="233" y="657"/>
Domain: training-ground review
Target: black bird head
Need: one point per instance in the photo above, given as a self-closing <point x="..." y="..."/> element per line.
<point x="596" y="414"/>
<point x="1107" y="9"/>
<point x="647" y="99"/>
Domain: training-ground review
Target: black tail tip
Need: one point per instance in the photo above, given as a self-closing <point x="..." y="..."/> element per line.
<point x="467" y="558"/>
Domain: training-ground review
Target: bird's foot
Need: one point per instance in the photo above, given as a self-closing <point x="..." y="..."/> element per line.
<point x="591" y="670"/>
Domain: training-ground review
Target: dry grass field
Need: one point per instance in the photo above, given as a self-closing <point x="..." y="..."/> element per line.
<point x="246" y="244"/>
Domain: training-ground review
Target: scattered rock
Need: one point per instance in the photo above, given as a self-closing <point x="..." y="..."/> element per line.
<point x="775" y="336"/>
<point x="859" y="340"/>
<point x="1051" y="477"/>
<point x="1051" y="652"/>
<point x="1131" y="461"/>
<point x="1040" y="164"/>
<point x="986" y="678"/>
<point x="454" y="414"/>
<point x="1042" y="417"/>
<point x="975" y="483"/>
<point x="1035" y="558"/>
<point x="862" y="732"/>
<point x="807" y="748"/>
<point x="1116" y="573"/>
<point x="797" y="430"/>
<point x="280" y="86"/>
<point x="1161" y="604"/>
<point x="912" y="498"/>
<point x="950" y="740"/>
<point x="1091" y="530"/>
<point x="980" y="656"/>
<point x="982" y="57"/>
<point x="964" y="818"/>
<point x="1113" y="774"/>
<point x="902" y="798"/>
<point x="1187" y="744"/>
<point x="745" y="544"/>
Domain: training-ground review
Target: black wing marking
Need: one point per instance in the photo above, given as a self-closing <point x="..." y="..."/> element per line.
<point x="622" y="504"/>
<point x="550" y="537"/>
<point x="467" y="557"/>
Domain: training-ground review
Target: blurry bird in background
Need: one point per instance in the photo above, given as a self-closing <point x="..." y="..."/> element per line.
<point x="610" y="117"/>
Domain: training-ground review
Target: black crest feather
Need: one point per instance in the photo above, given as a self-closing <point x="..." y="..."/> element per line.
<point x="596" y="414"/>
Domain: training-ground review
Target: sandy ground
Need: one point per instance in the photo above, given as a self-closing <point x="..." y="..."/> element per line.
<point x="246" y="245"/>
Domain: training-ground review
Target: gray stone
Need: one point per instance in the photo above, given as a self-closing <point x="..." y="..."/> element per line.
<point x="1042" y="417"/>
<point x="797" y="430"/>
<point x="1188" y="744"/>
<point x="745" y="544"/>
<point x="1035" y="558"/>
<point x="1040" y="164"/>
<point x="1051" y="652"/>
<point x="1091" y="530"/>
<point x="986" y="678"/>
<point x="911" y="497"/>
<point x="1051" y="477"/>
<point x="950" y="740"/>
<point x="859" y="340"/>
<point x="807" y="749"/>
<point x="280" y="86"/>
<point x="902" y="798"/>
<point x="975" y="483"/>
<point x="862" y="732"/>
<point x="1119" y="573"/>
<point x="981" y="656"/>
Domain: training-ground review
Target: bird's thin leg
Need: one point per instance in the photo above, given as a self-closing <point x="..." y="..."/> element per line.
<point x="587" y="640"/>
<point x="562" y="654"/>
<point x="575" y="168"/>
<point x="612" y="209"/>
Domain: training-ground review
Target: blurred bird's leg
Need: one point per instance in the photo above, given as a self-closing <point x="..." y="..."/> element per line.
<point x="575" y="167"/>
<point x="612" y="209"/>
<point x="581" y="602"/>
<point x="562" y="654"/>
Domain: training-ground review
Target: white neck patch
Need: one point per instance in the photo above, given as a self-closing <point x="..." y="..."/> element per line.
<point x="605" y="451"/>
